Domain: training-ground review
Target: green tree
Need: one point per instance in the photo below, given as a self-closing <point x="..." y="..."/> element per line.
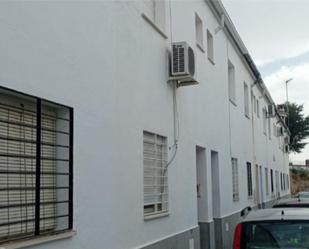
<point x="298" y="124"/>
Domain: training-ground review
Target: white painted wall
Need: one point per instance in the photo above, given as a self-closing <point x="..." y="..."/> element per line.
<point x="106" y="61"/>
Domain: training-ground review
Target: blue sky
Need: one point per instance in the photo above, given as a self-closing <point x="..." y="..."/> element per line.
<point x="277" y="36"/>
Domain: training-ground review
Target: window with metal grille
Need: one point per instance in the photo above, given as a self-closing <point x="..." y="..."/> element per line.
<point x="36" y="166"/>
<point x="266" y="181"/>
<point x="249" y="179"/>
<point x="155" y="175"/>
<point x="235" y="179"/>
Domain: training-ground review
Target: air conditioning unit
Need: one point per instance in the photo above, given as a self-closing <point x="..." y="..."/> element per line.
<point x="271" y="111"/>
<point x="282" y="110"/>
<point x="182" y="64"/>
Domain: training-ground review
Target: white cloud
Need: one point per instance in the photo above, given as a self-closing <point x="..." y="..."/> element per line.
<point x="298" y="88"/>
<point x="298" y="92"/>
<point x="271" y="29"/>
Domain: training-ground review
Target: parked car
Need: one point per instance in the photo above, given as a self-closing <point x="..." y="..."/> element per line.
<point x="286" y="228"/>
<point x="303" y="195"/>
<point x="292" y="203"/>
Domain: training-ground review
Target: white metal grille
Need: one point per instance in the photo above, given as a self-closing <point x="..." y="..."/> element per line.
<point x="155" y="174"/>
<point x="235" y="179"/>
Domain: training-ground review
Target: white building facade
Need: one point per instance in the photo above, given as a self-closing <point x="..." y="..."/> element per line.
<point x="105" y="65"/>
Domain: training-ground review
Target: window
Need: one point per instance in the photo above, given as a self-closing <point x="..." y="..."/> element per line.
<point x="272" y="180"/>
<point x="155" y="175"/>
<point x="36" y="164"/>
<point x="281" y="181"/>
<point x="266" y="181"/>
<point x="249" y="179"/>
<point x="254" y="99"/>
<point x="231" y="82"/>
<point x="275" y="233"/>
<point x="264" y="120"/>
<point x="246" y="99"/>
<point x="199" y="32"/>
<point x="210" y="46"/>
<point x="269" y="128"/>
<point x="257" y="108"/>
<point x="154" y="14"/>
<point x="235" y="179"/>
<point x="275" y="131"/>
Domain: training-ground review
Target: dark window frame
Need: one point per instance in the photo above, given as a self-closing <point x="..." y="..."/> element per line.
<point x="249" y="179"/>
<point x="38" y="103"/>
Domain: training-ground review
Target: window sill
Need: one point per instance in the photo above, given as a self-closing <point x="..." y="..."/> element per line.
<point x="233" y="102"/>
<point x="156" y="216"/>
<point x="154" y="26"/>
<point x="200" y="47"/>
<point x="37" y="241"/>
<point x="211" y="61"/>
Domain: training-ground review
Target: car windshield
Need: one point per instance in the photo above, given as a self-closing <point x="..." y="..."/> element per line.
<point x="276" y="234"/>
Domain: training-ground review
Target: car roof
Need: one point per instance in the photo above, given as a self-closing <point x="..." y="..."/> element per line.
<point x="292" y="201"/>
<point x="278" y="214"/>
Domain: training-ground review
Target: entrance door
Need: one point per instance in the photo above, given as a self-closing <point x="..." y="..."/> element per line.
<point x="261" y="186"/>
<point x="201" y="185"/>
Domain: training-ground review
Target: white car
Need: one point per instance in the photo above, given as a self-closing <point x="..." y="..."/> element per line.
<point x="286" y="228"/>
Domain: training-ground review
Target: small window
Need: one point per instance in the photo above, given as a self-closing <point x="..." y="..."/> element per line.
<point x="235" y="179"/>
<point x="155" y="175"/>
<point x="264" y="120"/>
<point x="266" y="181"/>
<point x="269" y="127"/>
<point x="254" y="103"/>
<point x="155" y="14"/>
<point x="258" y="108"/>
<point x="246" y="99"/>
<point x="249" y="179"/>
<point x="210" y="46"/>
<point x="199" y="32"/>
<point x="275" y="129"/>
<point x="231" y="82"/>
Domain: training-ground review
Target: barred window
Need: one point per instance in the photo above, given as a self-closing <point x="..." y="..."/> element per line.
<point x="36" y="153"/>
<point x="249" y="179"/>
<point x="155" y="175"/>
<point x="235" y="179"/>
